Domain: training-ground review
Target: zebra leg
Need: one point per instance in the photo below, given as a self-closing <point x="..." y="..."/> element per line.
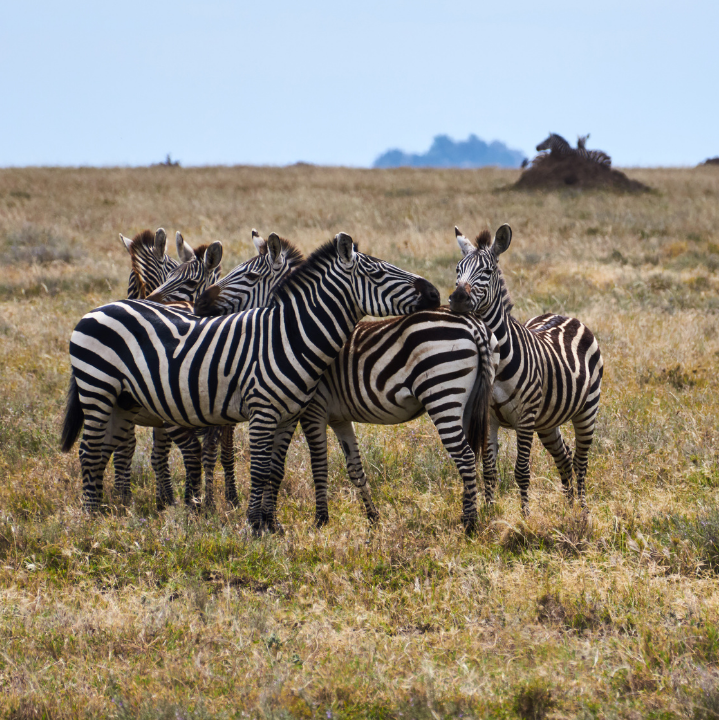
<point x="122" y="460"/>
<point x="161" y="445"/>
<point x="584" y="434"/>
<point x="186" y="439"/>
<point x="102" y="433"/>
<point x="489" y="461"/>
<point x="283" y="437"/>
<point x="451" y="433"/>
<point x="557" y="448"/>
<point x="525" y="436"/>
<point x="262" y="436"/>
<point x="314" y="426"/>
<point x="348" y="440"/>
<point x="209" y="460"/>
<point x="227" y="458"/>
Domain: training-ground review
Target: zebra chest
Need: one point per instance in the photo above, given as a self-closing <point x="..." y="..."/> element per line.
<point x="516" y="395"/>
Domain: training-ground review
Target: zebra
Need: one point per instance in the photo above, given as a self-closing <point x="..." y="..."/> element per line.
<point x="137" y="362"/>
<point x="253" y="280"/>
<point x="393" y="371"/>
<point x="390" y="372"/>
<point x="560" y="148"/>
<point x="550" y="370"/>
<point x="154" y="274"/>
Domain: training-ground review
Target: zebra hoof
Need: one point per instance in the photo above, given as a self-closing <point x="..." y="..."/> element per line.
<point x="273" y="527"/>
<point x="470" y="525"/>
<point x="256" y="525"/>
<point x="322" y="519"/>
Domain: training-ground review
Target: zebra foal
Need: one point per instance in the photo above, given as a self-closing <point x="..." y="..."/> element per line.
<point x="136" y="362"/>
<point x="549" y="372"/>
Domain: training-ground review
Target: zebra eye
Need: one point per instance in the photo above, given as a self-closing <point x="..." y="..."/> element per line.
<point x="252" y="277"/>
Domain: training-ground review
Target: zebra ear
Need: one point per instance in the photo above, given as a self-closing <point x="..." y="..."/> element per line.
<point x="184" y="251"/>
<point x="345" y="248"/>
<point x="126" y="242"/>
<point x="502" y="238"/>
<point x="160" y="243"/>
<point x="213" y="255"/>
<point x="274" y="247"/>
<point x="260" y="244"/>
<point x="464" y="245"/>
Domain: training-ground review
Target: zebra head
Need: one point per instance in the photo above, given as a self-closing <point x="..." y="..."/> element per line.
<point x="555" y="143"/>
<point x="149" y="260"/>
<point x="479" y="278"/>
<point x="381" y="289"/>
<point x="250" y="284"/>
<point x="199" y="269"/>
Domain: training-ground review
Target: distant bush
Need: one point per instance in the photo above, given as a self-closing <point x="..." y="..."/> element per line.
<point x="445" y="152"/>
<point x="32" y="244"/>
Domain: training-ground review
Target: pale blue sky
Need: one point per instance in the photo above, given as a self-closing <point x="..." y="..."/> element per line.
<point x="217" y="82"/>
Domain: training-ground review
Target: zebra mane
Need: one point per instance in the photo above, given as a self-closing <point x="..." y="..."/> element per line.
<point x="484" y="239"/>
<point x="290" y="250"/>
<point x="144" y="241"/>
<point x="506" y="299"/>
<point x="317" y="259"/>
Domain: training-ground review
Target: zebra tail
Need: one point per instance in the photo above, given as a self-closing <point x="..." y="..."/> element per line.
<point x="74" y="417"/>
<point x="477" y="428"/>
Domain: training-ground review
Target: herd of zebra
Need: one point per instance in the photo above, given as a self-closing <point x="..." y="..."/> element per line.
<point x="559" y="148"/>
<point x="279" y="341"/>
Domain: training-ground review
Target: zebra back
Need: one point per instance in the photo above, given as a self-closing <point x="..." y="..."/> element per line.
<point x="250" y="284"/>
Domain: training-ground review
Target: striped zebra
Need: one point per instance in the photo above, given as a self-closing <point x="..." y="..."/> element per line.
<point x="391" y="372"/>
<point x="560" y="148"/>
<point x="155" y="275"/>
<point x="550" y="370"/>
<point x="136" y="362"/>
<point x="253" y="281"/>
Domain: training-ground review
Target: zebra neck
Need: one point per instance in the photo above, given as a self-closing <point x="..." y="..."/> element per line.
<point x="314" y="315"/>
<point x="499" y="320"/>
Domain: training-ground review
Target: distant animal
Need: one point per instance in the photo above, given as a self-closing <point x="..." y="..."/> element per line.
<point x="560" y="148"/>
<point x="138" y="362"/>
<point x="549" y="373"/>
<point x="582" y="141"/>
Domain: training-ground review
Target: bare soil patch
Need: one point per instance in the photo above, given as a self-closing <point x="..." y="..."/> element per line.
<point x="552" y="173"/>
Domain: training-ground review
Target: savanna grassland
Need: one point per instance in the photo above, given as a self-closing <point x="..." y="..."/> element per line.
<point x="139" y="614"/>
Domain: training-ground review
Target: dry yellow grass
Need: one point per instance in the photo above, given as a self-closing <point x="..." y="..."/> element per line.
<point x="144" y="615"/>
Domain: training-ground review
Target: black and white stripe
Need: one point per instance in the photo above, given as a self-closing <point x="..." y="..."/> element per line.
<point x="156" y="276"/>
<point x="393" y="371"/>
<point x="549" y="373"/>
<point x="143" y="363"/>
<point x="560" y="148"/>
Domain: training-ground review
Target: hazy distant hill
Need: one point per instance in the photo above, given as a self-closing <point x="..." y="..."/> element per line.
<point x="445" y="152"/>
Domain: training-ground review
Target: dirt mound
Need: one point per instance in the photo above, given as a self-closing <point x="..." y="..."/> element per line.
<point x="548" y="172"/>
<point x="711" y="161"/>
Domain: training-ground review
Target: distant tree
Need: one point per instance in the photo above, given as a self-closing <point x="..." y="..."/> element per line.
<point x="445" y="152"/>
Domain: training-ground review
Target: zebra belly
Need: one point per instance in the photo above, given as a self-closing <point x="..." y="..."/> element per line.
<point x="407" y="408"/>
